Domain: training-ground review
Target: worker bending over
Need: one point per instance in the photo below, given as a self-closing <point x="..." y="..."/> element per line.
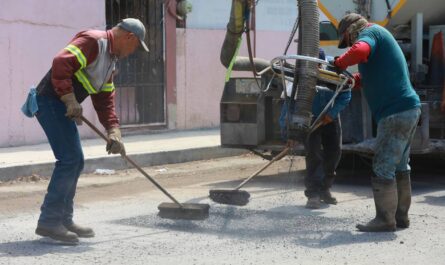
<point x="83" y="68"/>
<point x="395" y="106"/>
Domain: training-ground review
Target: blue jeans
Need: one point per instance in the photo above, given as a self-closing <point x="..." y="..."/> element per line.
<point x="63" y="137"/>
<point x="393" y="143"/>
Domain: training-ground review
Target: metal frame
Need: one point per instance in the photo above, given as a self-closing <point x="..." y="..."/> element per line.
<point x="141" y="92"/>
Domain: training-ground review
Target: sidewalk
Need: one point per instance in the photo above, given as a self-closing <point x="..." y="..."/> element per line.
<point x="145" y="150"/>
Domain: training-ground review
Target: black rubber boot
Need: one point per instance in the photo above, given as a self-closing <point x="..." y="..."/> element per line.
<point x="325" y="193"/>
<point x="59" y="233"/>
<point x="404" y="195"/>
<point x="80" y="231"/>
<point x="385" y="198"/>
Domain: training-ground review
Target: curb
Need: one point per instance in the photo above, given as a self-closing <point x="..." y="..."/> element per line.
<point x="117" y="163"/>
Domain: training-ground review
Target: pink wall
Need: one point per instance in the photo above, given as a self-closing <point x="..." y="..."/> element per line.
<point x="200" y="75"/>
<point x="31" y="33"/>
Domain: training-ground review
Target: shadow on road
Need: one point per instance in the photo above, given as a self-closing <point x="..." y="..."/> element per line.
<point x="340" y="237"/>
<point x="357" y="182"/>
<point x="39" y="247"/>
<point x="299" y="225"/>
<point x="434" y="200"/>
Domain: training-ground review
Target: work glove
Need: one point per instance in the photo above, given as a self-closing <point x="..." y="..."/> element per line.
<point x="73" y="108"/>
<point x="333" y="66"/>
<point x="115" y="144"/>
<point x="326" y="119"/>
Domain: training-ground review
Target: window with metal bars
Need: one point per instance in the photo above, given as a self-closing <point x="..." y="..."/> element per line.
<point x="139" y="79"/>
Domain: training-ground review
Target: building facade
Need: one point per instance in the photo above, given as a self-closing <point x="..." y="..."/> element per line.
<point x="177" y="86"/>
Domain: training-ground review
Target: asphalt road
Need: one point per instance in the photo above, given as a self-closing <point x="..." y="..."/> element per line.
<point x="274" y="228"/>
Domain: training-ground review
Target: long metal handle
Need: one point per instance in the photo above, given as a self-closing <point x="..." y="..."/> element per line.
<point x="94" y="128"/>
<point x="277" y="157"/>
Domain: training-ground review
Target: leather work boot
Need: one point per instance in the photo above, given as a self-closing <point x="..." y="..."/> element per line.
<point x="80" y="231"/>
<point x="313" y="202"/>
<point x="59" y="233"/>
<point x="404" y="195"/>
<point x="385" y="198"/>
<point x="326" y="196"/>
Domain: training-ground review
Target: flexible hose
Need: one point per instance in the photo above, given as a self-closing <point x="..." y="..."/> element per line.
<point x="235" y="28"/>
<point x="243" y="64"/>
<point x="307" y="71"/>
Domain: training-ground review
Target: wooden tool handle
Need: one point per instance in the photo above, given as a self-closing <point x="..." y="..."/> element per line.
<point x="277" y="157"/>
<point x="102" y="135"/>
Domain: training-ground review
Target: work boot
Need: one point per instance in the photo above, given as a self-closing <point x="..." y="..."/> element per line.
<point x="326" y="196"/>
<point x="80" y="231"/>
<point x="404" y="195"/>
<point x="313" y="202"/>
<point x="385" y="198"/>
<point x="58" y="232"/>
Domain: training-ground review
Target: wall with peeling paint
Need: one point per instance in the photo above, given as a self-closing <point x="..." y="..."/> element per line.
<point x="31" y="33"/>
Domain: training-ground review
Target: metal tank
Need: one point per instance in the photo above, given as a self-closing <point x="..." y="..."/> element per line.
<point x="249" y="115"/>
<point x="414" y="24"/>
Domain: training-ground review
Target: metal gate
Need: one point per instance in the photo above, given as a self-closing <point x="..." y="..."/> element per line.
<point x="140" y="92"/>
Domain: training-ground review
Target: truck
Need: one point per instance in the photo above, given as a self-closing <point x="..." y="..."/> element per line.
<point x="250" y="107"/>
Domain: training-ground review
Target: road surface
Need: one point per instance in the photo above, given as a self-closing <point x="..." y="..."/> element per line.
<point x="274" y="228"/>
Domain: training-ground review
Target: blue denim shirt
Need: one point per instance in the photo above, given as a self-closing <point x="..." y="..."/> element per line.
<point x="322" y="98"/>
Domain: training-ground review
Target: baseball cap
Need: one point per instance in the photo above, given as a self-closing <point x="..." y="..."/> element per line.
<point x="344" y="24"/>
<point x="136" y="27"/>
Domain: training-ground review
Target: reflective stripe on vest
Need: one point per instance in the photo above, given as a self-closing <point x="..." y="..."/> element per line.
<point x="85" y="83"/>
<point x="108" y="87"/>
<point x="79" y="55"/>
<point x="83" y="63"/>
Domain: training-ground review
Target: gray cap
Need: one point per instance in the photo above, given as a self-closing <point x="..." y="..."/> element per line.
<point x="344" y="24"/>
<point x="136" y="27"/>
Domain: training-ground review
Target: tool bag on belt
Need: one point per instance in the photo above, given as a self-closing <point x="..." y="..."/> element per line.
<point x="30" y="106"/>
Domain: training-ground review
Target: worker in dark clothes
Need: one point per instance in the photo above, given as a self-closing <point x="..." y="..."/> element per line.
<point x="83" y="68"/>
<point x="323" y="145"/>
<point x="395" y="106"/>
<point x="323" y="148"/>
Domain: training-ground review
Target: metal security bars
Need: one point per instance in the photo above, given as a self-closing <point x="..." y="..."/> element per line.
<point x="139" y="79"/>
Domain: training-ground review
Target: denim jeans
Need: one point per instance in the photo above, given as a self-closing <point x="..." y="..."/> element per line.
<point x="322" y="163"/>
<point x="282" y="122"/>
<point x="393" y="143"/>
<point x="63" y="137"/>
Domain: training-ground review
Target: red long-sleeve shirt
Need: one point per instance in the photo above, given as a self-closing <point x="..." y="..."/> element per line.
<point x="358" y="53"/>
<point x="66" y="64"/>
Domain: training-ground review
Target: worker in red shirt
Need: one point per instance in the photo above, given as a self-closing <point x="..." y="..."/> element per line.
<point x="395" y="106"/>
<point x="83" y="68"/>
